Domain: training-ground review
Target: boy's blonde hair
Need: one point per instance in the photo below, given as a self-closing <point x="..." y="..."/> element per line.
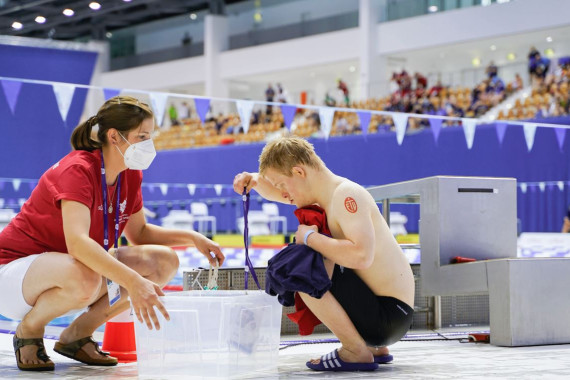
<point x="283" y="153"/>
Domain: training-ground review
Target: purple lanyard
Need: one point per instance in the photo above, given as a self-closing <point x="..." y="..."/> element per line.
<point x="248" y="265"/>
<point x="105" y="215"/>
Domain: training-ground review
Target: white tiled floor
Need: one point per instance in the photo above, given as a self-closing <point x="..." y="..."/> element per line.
<point x="423" y="359"/>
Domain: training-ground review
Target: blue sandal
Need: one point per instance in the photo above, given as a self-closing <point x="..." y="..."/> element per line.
<point x="333" y="362"/>
<point x="383" y="359"/>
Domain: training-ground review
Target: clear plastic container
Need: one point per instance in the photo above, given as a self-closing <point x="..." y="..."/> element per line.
<point x="221" y="334"/>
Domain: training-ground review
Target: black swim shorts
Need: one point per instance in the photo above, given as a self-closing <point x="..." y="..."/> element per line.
<point x="381" y="321"/>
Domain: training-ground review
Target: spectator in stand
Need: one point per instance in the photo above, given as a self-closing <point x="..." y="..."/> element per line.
<point x="452" y="108"/>
<point x="421" y="85"/>
<point x="281" y="94"/>
<point x="184" y="111"/>
<point x="329" y="101"/>
<point x="538" y="67"/>
<point x="173" y="114"/>
<point x="435" y="90"/>
<point x="517" y="83"/>
<point x="344" y="88"/>
<point x="269" y="95"/>
<point x="394" y="85"/>
<point x="491" y="70"/>
<point x="405" y="82"/>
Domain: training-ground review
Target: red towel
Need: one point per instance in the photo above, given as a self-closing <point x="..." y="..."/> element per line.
<point x="303" y="316"/>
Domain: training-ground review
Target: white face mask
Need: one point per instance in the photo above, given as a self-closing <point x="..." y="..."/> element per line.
<point x="138" y="156"/>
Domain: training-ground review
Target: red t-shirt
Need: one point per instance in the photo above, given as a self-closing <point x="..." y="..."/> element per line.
<point x="38" y="227"/>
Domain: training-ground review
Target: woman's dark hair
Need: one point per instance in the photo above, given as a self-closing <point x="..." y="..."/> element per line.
<point x="123" y="113"/>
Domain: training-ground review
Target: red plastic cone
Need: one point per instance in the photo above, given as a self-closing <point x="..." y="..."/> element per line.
<point x="119" y="338"/>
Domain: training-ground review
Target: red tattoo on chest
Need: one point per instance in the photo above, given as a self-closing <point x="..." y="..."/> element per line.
<point x="350" y="205"/>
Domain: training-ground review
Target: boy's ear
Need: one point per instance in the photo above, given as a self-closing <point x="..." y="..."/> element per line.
<point x="298" y="170"/>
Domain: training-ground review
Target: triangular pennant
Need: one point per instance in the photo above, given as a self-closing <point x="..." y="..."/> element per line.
<point x="191" y="188"/>
<point x="63" y="95"/>
<point x="400" y="122"/>
<point x="16" y="184"/>
<point x="150" y="189"/>
<point x="326" y="115"/>
<point x="560" y="185"/>
<point x="11" y="91"/>
<point x="560" y="136"/>
<point x="109" y="93"/>
<point x="288" y="112"/>
<point x="202" y="107"/>
<point x="218" y="189"/>
<point x="523" y="187"/>
<point x="163" y="188"/>
<point x="469" y="130"/>
<point x="435" y="124"/>
<point x="158" y="102"/>
<point x="529" y="133"/>
<point x="364" y="121"/>
<point x="244" y="108"/>
<point x="501" y="130"/>
<point x="542" y="186"/>
<point x="32" y="184"/>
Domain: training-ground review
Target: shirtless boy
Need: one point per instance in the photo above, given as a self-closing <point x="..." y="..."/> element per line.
<point x="370" y="304"/>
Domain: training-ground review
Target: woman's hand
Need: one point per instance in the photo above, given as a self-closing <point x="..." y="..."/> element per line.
<point x="301" y="231"/>
<point x="144" y="298"/>
<point x="245" y="179"/>
<point x="207" y="247"/>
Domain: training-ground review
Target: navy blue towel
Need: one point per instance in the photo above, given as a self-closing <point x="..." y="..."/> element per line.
<point x="296" y="268"/>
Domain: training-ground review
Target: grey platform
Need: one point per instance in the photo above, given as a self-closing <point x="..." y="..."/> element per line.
<point x="475" y="217"/>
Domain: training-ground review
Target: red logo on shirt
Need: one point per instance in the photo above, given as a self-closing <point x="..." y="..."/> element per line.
<point x="350" y="205"/>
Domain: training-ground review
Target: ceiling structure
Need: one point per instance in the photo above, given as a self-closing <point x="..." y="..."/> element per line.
<point x="92" y="19"/>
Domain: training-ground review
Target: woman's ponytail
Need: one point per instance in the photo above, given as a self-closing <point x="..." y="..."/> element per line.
<point x="81" y="136"/>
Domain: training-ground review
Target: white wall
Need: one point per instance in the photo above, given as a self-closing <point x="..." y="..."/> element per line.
<point x="469" y="24"/>
<point x="407" y="35"/>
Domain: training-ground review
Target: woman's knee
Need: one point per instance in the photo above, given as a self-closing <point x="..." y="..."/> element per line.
<point x="82" y="283"/>
<point x="167" y="263"/>
<point x="159" y="263"/>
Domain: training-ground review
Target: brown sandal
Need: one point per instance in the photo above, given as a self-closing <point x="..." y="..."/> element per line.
<point x="74" y="350"/>
<point x="41" y="354"/>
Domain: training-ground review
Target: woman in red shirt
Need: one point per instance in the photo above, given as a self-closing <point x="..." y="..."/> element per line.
<point x="55" y="256"/>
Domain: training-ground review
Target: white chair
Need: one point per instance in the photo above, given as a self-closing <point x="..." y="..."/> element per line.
<point x="6" y="216"/>
<point x="272" y="211"/>
<point x="199" y="211"/>
<point x="398" y="223"/>
<point x="178" y="220"/>
<point x="257" y="221"/>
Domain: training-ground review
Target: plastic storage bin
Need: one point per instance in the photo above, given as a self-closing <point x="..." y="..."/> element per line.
<point x="220" y="334"/>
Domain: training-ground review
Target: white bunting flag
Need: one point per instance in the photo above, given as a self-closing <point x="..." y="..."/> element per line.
<point x="191" y="188"/>
<point x="400" y="122"/>
<point x="163" y="188"/>
<point x="542" y="186"/>
<point x="529" y="133"/>
<point x="244" y="108"/>
<point x="63" y="95"/>
<point x="523" y="188"/>
<point x="218" y="189"/>
<point x="469" y="126"/>
<point x="158" y="102"/>
<point x="560" y="185"/>
<point x="16" y="184"/>
<point x="326" y="116"/>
